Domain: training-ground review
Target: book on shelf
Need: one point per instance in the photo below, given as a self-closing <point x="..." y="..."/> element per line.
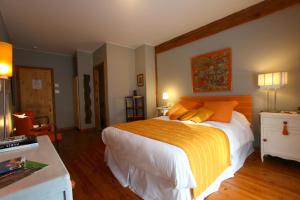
<point x="17" y="142"/>
<point x="15" y="169"/>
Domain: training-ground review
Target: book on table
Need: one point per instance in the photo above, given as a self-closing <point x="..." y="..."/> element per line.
<point x="17" y="142"/>
<point x="16" y="169"/>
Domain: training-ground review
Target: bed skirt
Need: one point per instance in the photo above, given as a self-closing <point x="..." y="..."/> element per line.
<point x="150" y="187"/>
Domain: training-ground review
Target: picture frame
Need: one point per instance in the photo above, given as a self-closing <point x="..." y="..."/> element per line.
<point x="140" y="80"/>
<point x="211" y="72"/>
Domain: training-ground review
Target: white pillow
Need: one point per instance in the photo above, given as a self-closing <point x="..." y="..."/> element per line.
<point x="240" y="119"/>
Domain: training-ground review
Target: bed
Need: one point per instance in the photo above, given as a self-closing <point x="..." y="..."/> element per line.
<point x="157" y="170"/>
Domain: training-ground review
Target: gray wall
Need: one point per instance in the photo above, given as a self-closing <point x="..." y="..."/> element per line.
<point x="121" y="79"/>
<point x="3" y="32"/>
<point x="85" y="66"/>
<point x="140" y="67"/>
<point x="145" y="64"/>
<point x="150" y="81"/>
<point x="62" y="66"/>
<point x="266" y="45"/>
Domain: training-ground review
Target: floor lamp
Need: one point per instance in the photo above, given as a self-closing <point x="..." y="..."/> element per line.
<point x="5" y="74"/>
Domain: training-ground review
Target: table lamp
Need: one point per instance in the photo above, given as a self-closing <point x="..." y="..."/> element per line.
<point x="5" y="73"/>
<point x="165" y="98"/>
<point x="272" y="81"/>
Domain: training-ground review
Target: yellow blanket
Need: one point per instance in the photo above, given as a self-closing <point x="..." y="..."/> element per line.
<point x="207" y="148"/>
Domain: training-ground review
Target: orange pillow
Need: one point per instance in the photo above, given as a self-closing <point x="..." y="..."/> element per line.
<point x="222" y="110"/>
<point x="182" y="108"/>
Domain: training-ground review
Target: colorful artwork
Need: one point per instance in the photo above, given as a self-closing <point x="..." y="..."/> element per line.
<point x="211" y="72"/>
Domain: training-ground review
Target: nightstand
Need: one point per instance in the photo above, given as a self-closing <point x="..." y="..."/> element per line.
<point x="161" y="111"/>
<point x="280" y="135"/>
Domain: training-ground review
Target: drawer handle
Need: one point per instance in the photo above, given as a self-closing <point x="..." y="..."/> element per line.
<point x="265" y="140"/>
<point x="285" y="128"/>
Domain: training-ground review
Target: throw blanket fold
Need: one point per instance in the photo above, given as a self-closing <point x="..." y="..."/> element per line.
<point x="207" y="148"/>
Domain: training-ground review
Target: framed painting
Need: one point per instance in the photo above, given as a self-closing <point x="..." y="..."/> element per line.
<point x="140" y="80"/>
<point x="211" y="72"/>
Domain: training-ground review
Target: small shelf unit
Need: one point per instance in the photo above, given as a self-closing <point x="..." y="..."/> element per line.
<point x="134" y="108"/>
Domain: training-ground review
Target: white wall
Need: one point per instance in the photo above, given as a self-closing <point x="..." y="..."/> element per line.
<point x="268" y="44"/>
<point x="85" y="66"/>
<point x="121" y="79"/>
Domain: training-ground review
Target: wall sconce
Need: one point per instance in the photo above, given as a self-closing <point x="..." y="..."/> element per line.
<point x="272" y="81"/>
<point x="5" y="73"/>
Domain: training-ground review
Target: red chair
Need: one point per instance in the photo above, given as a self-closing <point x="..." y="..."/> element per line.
<point x="26" y="124"/>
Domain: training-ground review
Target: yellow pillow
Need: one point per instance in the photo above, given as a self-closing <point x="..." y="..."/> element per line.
<point x="188" y="115"/>
<point x="202" y="115"/>
<point x="181" y="108"/>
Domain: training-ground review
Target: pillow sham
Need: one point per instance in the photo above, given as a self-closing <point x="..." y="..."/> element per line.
<point x="222" y="110"/>
<point x="189" y="115"/>
<point x="181" y="108"/>
<point x="202" y="115"/>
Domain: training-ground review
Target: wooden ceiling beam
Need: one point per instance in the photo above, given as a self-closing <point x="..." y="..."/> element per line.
<point x="251" y="13"/>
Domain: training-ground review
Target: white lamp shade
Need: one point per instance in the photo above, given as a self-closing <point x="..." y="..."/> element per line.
<point x="284" y="78"/>
<point x="261" y="80"/>
<point x="273" y="80"/>
<point x="276" y="79"/>
<point x="165" y="96"/>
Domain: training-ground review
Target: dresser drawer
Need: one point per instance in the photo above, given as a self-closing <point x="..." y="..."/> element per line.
<point x="278" y="122"/>
<point x="281" y="145"/>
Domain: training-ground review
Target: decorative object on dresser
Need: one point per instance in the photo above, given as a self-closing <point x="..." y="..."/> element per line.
<point x="280" y="135"/>
<point x="5" y="73"/>
<point x="134" y="108"/>
<point x="211" y="72"/>
<point x="272" y="81"/>
<point x="140" y="80"/>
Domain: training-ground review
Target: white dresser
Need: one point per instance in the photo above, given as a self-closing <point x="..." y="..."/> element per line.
<point x="277" y="142"/>
<point x="51" y="183"/>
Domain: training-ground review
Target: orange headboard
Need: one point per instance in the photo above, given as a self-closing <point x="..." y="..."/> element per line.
<point x="245" y="102"/>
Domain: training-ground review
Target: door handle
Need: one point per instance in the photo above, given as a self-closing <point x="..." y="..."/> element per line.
<point x="265" y="140"/>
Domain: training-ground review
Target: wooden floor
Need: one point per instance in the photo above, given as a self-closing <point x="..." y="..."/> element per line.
<point x="83" y="155"/>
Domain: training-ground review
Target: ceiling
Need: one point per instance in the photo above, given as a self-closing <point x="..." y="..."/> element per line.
<point x="62" y="26"/>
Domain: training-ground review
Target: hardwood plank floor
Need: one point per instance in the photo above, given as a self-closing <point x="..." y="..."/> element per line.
<point x="83" y="155"/>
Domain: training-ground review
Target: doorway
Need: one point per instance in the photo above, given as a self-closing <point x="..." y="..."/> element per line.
<point x="35" y="88"/>
<point x="100" y="97"/>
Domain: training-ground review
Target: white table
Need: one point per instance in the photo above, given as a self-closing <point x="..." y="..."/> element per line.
<point x="50" y="183"/>
<point x="161" y="111"/>
<point x="274" y="142"/>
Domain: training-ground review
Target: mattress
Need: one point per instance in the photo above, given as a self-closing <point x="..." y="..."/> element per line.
<point x="156" y="170"/>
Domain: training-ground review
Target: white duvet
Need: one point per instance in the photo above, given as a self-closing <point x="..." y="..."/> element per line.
<point x="167" y="161"/>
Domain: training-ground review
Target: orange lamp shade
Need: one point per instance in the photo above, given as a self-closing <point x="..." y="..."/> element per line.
<point x="5" y="60"/>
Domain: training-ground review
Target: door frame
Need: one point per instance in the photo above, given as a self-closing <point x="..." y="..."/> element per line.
<point x="17" y="67"/>
<point x="96" y="69"/>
